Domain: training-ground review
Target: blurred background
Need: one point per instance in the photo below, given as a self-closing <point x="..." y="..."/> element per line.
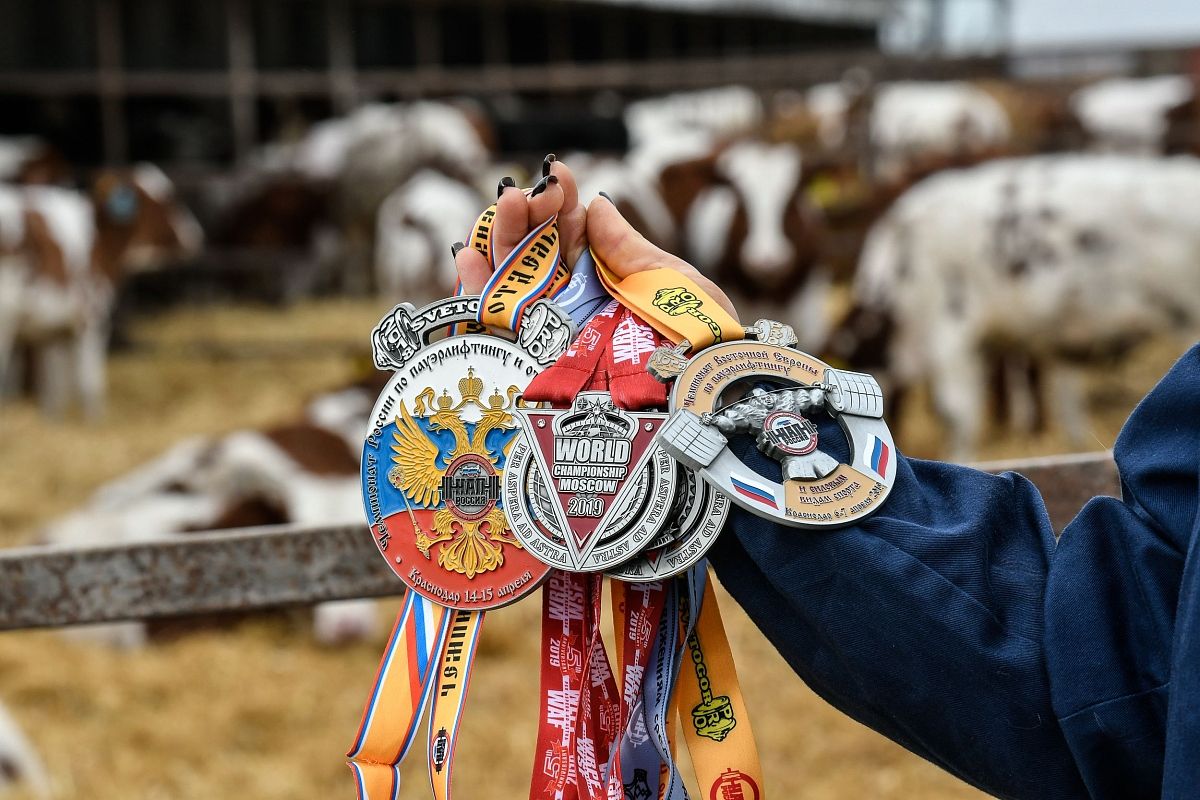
<point x="205" y="207"/>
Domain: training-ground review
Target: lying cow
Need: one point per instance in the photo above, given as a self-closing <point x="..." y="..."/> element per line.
<point x="303" y="473"/>
<point x="1056" y="260"/>
<point x="62" y="256"/>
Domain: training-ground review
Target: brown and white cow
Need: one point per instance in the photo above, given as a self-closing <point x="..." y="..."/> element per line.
<point x="31" y="161"/>
<point x="62" y="256"/>
<point x="302" y="473"/>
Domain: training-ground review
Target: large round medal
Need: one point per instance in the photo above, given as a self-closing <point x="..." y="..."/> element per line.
<point x="438" y="444"/>
<point x="586" y="487"/>
<point x="709" y="403"/>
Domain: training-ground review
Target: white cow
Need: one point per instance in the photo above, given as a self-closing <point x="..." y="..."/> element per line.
<point x="414" y="229"/>
<point x="62" y="256"/>
<point x="304" y="473"/>
<point x="724" y="112"/>
<point x="1055" y="257"/>
<point x="1129" y="115"/>
<point x="911" y="123"/>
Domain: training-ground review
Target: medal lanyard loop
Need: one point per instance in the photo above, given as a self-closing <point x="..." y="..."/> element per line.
<point x="674" y="304"/>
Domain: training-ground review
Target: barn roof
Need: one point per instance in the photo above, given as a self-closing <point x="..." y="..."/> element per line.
<point x="864" y="11"/>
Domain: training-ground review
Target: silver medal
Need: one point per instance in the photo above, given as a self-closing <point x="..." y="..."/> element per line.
<point x="435" y="453"/>
<point x="586" y="488"/>
<point x="699" y="520"/>
<point x="816" y="491"/>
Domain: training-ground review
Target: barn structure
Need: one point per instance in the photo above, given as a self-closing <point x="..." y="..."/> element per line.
<point x="179" y="81"/>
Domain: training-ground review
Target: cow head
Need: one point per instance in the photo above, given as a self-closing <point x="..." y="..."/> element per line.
<point x="778" y="226"/>
<point x="140" y="222"/>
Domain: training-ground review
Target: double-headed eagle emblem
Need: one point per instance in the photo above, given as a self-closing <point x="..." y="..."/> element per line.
<point x="423" y="453"/>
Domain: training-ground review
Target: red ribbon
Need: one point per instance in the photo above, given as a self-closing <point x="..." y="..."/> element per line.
<point x="610" y="353"/>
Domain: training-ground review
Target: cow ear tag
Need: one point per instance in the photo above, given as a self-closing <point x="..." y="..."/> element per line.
<point x="816" y="491"/>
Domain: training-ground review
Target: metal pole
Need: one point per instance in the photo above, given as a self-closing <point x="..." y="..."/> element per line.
<point x="110" y="82"/>
<point x="342" y="85"/>
<point x="243" y="106"/>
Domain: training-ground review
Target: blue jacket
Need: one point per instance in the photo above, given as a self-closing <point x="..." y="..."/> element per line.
<point x="952" y="623"/>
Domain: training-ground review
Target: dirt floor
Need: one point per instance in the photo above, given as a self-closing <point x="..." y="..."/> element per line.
<point x="261" y="711"/>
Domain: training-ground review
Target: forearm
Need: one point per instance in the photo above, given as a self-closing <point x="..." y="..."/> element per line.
<point x="924" y="622"/>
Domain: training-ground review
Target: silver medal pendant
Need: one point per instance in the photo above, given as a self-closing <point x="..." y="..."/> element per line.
<point x="816" y="490"/>
<point x="699" y="516"/>
<point x="438" y="445"/>
<point x="587" y="487"/>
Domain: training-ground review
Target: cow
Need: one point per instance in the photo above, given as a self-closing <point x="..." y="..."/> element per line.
<point x="1130" y="115"/>
<point x="303" y="472"/>
<point x="20" y="765"/>
<point x="896" y="129"/>
<point x="31" y="161"/>
<point x="414" y="229"/>
<point x="755" y="232"/>
<point x="725" y="113"/>
<point x="1053" y="260"/>
<point x="62" y="256"/>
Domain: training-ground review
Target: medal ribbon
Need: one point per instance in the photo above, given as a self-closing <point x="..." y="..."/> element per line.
<point x="564" y="623"/>
<point x="599" y="715"/>
<point x="637" y="613"/>
<point x="398" y="697"/>
<point x="450" y="694"/>
<point x="716" y="725"/>
<point x="674" y="304"/>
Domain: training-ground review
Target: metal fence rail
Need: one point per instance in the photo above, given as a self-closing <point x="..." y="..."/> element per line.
<point x="260" y="568"/>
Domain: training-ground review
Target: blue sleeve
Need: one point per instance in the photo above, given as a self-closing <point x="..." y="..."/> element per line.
<point x="950" y="623"/>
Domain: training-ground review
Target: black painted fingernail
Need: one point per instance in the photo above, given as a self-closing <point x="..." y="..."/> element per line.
<point x="504" y="183"/>
<point x="609" y="199"/>
<point x="454" y="248"/>
<point x="541" y="185"/>
<point x="546" y="162"/>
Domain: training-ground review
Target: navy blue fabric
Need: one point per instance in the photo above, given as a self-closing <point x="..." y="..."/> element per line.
<point x="952" y="623"/>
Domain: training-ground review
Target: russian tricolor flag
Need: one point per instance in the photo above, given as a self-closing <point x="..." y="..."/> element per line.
<point x="878" y="454"/>
<point x="757" y="491"/>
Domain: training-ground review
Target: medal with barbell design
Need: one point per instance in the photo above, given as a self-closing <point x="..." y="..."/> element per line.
<point x="718" y="393"/>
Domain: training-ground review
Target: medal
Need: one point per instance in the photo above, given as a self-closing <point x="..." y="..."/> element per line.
<point x="601" y="487"/>
<point x="699" y="519"/>
<point x="440" y="435"/>
<point x="816" y="490"/>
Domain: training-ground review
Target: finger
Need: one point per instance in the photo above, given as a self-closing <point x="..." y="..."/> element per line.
<point x="473" y="269"/>
<point x="572" y="219"/>
<point x="544" y="201"/>
<point x="512" y="219"/>
<point x="625" y="251"/>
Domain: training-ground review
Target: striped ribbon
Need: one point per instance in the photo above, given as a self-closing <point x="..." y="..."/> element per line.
<point x="397" y="698"/>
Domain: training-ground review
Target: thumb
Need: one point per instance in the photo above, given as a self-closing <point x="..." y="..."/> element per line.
<point x="625" y="251"/>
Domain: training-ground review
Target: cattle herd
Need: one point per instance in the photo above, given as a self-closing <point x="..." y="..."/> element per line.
<point x="947" y="235"/>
